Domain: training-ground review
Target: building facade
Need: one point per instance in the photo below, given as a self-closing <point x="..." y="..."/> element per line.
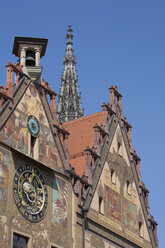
<point x="66" y="181"/>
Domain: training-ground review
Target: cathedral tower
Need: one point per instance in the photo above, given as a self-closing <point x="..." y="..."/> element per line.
<point x="69" y="105"/>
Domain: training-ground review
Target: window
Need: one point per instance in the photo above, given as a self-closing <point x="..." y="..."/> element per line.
<point x="129" y="188"/>
<point x="33" y="140"/>
<point x="144" y="194"/>
<point x="101" y="206"/>
<point x="113" y="176"/>
<point x="140" y="229"/>
<point x="119" y="148"/>
<point x="20" y="241"/>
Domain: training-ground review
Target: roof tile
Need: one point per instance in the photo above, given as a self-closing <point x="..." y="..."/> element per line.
<point x="81" y="135"/>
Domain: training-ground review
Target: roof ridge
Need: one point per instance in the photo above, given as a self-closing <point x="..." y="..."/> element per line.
<point x="83" y="117"/>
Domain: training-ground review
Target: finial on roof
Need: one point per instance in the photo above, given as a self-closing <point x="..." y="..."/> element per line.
<point x="69" y="57"/>
<point x="69" y="35"/>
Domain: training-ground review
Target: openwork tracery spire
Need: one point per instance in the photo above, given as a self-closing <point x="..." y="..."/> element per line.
<point x="69" y="105"/>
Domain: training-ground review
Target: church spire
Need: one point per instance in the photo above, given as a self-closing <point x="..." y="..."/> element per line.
<point x="69" y="105"/>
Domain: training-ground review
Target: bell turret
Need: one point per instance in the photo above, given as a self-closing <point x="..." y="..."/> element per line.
<point x="30" y="50"/>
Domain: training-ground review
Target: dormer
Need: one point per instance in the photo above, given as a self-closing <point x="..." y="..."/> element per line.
<point x="30" y="51"/>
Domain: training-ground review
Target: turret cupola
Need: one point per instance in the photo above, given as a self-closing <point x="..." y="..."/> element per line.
<point x="29" y="51"/>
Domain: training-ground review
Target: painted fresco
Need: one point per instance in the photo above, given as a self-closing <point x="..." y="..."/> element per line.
<point x="15" y="132"/>
<point x="4" y="174"/>
<point x="46" y="149"/>
<point x="96" y="241"/>
<point x="130" y="214"/>
<point x="112" y="203"/>
<point x="59" y="201"/>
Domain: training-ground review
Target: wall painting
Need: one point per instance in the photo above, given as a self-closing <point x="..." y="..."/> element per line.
<point x="15" y="132"/>
<point x="130" y="214"/>
<point x="112" y="203"/>
<point x="4" y="177"/>
<point x="59" y="201"/>
<point x="96" y="241"/>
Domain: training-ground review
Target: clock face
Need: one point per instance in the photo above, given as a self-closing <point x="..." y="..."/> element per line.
<point x="30" y="193"/>
<point x="33" y="125"/>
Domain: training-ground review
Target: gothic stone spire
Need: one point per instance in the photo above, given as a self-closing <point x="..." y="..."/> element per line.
<point x="69" y="105"/>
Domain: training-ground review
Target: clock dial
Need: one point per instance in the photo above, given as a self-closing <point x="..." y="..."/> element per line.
<point x="33" y="125"/>
<point x="30" y="193"/>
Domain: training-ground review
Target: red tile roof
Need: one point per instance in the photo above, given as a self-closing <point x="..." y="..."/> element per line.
<point x="81" y="135"/>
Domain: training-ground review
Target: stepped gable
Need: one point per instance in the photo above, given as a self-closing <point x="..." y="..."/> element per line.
<point x="99" y="144"/>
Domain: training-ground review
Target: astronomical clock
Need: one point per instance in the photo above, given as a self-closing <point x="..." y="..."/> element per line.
<point x="30" y="192"/>
<point x="29" y="188"/>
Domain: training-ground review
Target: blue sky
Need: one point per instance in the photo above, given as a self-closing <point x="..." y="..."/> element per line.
<point x="116" y="42"/>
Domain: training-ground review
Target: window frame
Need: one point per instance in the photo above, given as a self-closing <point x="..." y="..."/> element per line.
<point x="55" y="246"/>
<point x="101" y="205"/>
<point x="141" y="229"/>
<point x="113" y="177"/>
<point x="129" y="188"/>
<point x="22" y="234"/>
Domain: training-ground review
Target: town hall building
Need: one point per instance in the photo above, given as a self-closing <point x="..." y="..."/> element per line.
<point x="66" y="180"/>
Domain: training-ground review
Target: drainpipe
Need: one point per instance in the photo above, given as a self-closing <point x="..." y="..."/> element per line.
<point x="85" y="211"/>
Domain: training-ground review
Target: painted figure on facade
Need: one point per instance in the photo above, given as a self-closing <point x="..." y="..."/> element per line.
<point x="4" y="173"/>
<point x="112" y="203"/>
<point x="59" y="202"/>
<point x="130" y="214"/>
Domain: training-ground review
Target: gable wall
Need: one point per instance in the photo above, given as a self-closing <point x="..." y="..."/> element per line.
<point x="15" y="132"/>
<point x="121" y="211"/>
